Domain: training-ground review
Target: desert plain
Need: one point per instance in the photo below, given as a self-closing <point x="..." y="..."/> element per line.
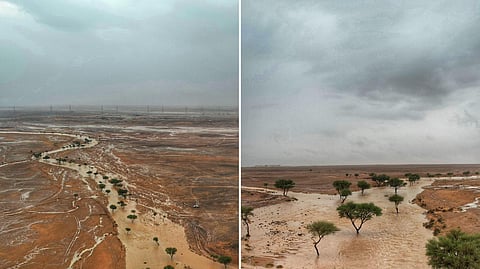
<point x="446" y="197"/>
<point x="179" y="171"/>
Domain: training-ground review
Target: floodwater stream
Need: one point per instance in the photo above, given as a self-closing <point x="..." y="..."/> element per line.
<point x="278" y="233"/>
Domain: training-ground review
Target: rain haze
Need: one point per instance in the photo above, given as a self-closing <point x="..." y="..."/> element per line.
<point x="119" y="52"/>
<point x="360" y="82"/>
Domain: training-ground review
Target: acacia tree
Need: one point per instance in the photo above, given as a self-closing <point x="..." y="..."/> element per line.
<point x="340" y="185"/>
<point x="455" y="250"/>
<point x="122" y="204"/>
<point x="102" y="186"/>
<point x="132" y="217"/>
<point x="321" y="229"/>
<point x="412" y="178"/>
<point x="171" y="251"/>
<point x="358" y="212"/>
<point x="363" y="185"/>
<point x="285" y="185"/>
<point x="397" y="199"/>
<point x="168" y="267"/>
<point x="224" y="260"/>
<point x="380" y="179"/>
<point x="396" y="183"/>
<point x="344" y="194"/>
<point x="247" y="212"/>
<point x="113" y="207"/>
<point x="155" y="239"/>
<point x="123" y="193"/>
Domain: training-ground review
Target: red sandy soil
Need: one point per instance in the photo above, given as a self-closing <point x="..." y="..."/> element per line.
<point x="444" y="201"/>
<point x="40" y="227"/>
<point x="258" y="198"/>
<point x="319" y="179"/>
<point x="169" y="162"/>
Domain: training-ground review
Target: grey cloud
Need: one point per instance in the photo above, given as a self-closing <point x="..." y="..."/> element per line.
<point x="67" y="15"/>
<point x="370" y="49"/>
<point x="121" y="51"/>
<point x="394" y="72"/>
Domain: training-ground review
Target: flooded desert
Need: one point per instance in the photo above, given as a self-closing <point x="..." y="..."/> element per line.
<point x="279" y="237"/>
<point x="113" y="190"/>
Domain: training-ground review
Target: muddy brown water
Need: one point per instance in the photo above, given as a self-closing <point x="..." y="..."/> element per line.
<point x="389" y="241"/>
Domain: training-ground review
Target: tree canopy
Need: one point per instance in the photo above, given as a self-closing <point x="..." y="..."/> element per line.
<point x="358" y="212"/>
<point x="132" y="217"/>
<point x="397" y="199"/>
<point x="224" y="260"/>
<point x="246" y="213"/>
<point x="363" y="185"/>
<point x="285" y="185"/>
<point x="412" y="178"/>
<point x="321" y="229"/>
<point x="396" y="183"/>
<point x="171" y="251"/>
<point x="380" y="179"/>
<point x="344" y="194"/>
<point x="341" y="185"/>
<point x="455" y="250"/>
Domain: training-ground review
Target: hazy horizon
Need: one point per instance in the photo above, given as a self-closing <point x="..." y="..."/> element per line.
<point x="120" y="52"/>
<point x="363" y="164"/>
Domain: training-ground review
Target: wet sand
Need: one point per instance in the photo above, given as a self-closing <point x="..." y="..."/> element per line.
<point x="141" y="250"/>
<point x="279" y="237"/>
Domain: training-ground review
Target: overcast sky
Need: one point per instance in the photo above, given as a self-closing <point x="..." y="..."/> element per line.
<point x="169" y="52"/>
<point x="360" y="82"/>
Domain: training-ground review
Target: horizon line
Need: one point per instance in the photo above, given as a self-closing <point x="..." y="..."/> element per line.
<point x="371" y="164"/>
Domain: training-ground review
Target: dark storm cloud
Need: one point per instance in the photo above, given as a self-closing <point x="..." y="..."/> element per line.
<point x="340" y="70"/>
<point x="119" y="52"/>
<point x="67" y="15"/>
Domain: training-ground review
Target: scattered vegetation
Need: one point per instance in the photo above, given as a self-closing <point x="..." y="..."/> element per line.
<point x="224" y="260"/>
<point x="380" y="179"/>
<point x="321" y="229"/>
<point x="285" y="185"/>
<point x="122" y="192"/>
<point x="344" y="194"/>
<point x="397" y="199"/>
<point x="412" y="178"/>
<point x="396" y="183"/>
<point x="171" y="251"/>
<point x="455" y="250"/>
<point x="246" y="213"/>
<point x="363" y="185"/>
<point x="358" y="212"/>
<point x="132" y="217"/>
<point x="340" y="185"/>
